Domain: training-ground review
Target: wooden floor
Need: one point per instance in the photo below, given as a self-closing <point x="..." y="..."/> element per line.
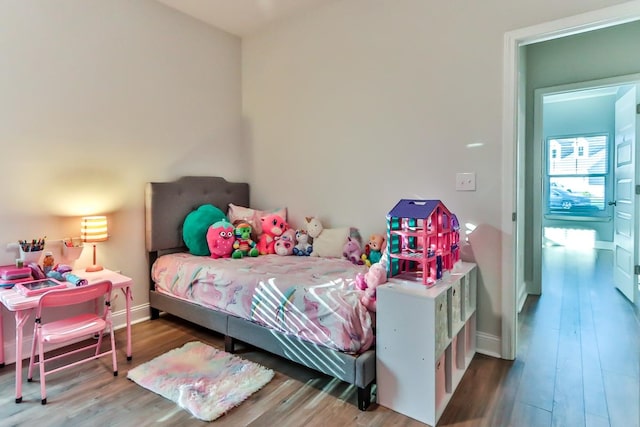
<point x="579" y="346"/>
<point x="577" y="365"/>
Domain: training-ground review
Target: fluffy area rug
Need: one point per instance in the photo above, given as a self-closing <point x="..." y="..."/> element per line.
<point x="202" y="380"/>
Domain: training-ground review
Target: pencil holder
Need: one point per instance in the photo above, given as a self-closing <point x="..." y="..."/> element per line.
<point x="29" y="257"/>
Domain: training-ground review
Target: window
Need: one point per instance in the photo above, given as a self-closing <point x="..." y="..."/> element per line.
<point x="577" y="169"/>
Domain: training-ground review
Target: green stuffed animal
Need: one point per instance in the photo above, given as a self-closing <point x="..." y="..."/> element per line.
<point x="244" y="245"/>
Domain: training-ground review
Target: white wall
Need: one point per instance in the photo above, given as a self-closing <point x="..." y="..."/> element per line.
<point x="363" y="102"/>
<point x="98" y="98"/>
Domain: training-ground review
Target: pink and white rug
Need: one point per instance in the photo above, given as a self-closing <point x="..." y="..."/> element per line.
<point x="202" y="380"/>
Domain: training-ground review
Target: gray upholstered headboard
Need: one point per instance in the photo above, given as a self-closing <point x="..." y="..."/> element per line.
<point x="168" y="203"/>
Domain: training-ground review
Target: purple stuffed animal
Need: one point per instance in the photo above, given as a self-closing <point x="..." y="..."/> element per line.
<point x="352" y="251"/>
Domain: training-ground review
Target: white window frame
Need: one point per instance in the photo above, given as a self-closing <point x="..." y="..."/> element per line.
<point x="548" y="153"/>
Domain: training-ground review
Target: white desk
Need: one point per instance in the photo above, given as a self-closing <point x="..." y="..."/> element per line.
<point x="22" y="306"/>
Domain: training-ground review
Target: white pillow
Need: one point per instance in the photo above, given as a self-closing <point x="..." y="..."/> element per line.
<point x="330" y="242"/>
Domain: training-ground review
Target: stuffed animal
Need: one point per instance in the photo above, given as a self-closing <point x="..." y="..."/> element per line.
<point x="285" y="242"/>
<point x="243" y="244"/>
<point x="220" y="239"/>
<point x="314" y="227"/>
<point x="272" y="226"/>
<point x="289" y="234"/>
<point x="327" y="242"/>
<point x="352" y="251"/>
<point x="302" y="247"/>
<point x="283" y="247"/>
<point x="368" y="282"/>
<point x="373" y="249"/>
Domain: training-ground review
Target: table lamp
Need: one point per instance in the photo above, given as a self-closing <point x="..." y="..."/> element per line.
<point x="94" y="229"/>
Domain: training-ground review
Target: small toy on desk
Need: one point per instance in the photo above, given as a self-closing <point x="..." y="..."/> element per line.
<point x="47" y="262"/>
<point x="59" y="271"/>
<point x="243" y="244"/>
<point x="36" y="271"/>
<point x="62" y="268"/>
<point x="76" y="280"/>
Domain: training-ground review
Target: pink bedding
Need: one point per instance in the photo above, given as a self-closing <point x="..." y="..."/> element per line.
<point x="312" y="298"/>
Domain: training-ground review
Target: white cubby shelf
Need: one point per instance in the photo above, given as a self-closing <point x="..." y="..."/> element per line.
<point x="425" y="341"/>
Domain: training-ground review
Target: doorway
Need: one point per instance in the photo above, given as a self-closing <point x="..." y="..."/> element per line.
<point x="576" y="129"/>
<point x="514" y="147"/>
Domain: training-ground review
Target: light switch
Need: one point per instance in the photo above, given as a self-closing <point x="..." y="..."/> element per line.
<point x="466" y="181"/>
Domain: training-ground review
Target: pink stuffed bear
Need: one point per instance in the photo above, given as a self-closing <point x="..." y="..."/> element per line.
<point x="272" y="226"/>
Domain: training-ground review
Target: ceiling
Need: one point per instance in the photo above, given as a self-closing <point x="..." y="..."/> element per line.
<point x="242" y="17"/>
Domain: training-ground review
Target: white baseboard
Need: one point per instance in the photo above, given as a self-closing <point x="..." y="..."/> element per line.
<point x="139" y="313"/>
<point x="522" y="296"/>
<point x="599" y="244"/>
<point x="489" y="345"/>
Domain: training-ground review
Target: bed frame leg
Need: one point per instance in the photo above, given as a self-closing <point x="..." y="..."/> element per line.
<point x="364" y="397"/>
<point x="155" y="313"/>
<point x="228" y="344"/>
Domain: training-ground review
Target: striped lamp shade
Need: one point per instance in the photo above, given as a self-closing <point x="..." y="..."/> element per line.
<point x="94" y="229"/>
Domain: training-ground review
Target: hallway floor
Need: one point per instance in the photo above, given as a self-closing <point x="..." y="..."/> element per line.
<point x="580" y="344"/>
<point x="578" y="360"/>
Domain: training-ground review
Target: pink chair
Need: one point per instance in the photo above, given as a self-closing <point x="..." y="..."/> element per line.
<point x="87" y="324"/>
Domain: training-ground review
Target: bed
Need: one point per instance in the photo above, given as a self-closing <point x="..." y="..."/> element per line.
<point x="344" y="352"/>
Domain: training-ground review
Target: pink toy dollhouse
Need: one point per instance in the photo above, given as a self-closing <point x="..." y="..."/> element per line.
<point x="423" y="240"/>
<point x="455" y="241"/>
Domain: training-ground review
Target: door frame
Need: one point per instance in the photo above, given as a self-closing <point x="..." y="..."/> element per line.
<point x="513" y="144"/>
